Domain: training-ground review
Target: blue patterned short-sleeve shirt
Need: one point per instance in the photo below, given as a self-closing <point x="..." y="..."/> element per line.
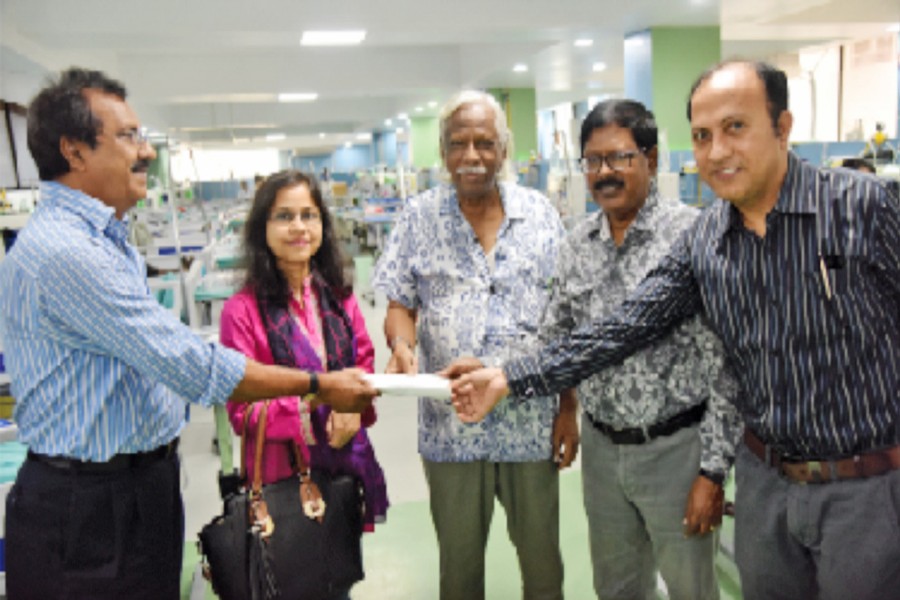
<point x="434" y="263"/>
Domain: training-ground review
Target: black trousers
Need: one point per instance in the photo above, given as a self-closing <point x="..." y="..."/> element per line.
<point x="75" y="535"/>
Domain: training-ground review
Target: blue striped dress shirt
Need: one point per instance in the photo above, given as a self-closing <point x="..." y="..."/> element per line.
<point x="809" y="314"/>
<point x="98" y="367"/>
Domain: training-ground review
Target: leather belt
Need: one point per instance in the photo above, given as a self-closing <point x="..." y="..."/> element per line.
<point x="866" y="464"/>
<point x="641" y="435"/>
<point x="119" y="462"/>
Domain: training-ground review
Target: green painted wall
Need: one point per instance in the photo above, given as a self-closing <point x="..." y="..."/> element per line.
<point x="159" y="167"/>
<point x="424" y="139"/>
<point x="679" y="55"/>
<point x="520" y="105"/>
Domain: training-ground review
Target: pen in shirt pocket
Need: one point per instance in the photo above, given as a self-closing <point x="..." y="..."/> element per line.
<point x="825" y="279"/>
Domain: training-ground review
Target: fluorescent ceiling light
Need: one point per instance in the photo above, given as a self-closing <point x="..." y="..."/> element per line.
<point x="403" y="116"/>
<point x="321" y="136"/>
<point x="419" y="109"/>
<point x="275" y="137"/>
<point x="584" y="42"/>
<point x="599" y="66"/>
<point x="297" y="97"/>
<point x="432" y="104"/>
<point x="333" y="38"/>
<point x="520" y="68"/>
<point x="364" y="137"/>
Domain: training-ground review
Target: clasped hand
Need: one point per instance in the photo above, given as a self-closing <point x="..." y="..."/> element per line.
<point x="476" y="390"/>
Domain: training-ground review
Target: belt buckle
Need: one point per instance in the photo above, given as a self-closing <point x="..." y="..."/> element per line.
<point x="815" y="472"/>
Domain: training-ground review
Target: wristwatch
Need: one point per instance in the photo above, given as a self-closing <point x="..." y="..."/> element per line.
<point x="313" y="384"/>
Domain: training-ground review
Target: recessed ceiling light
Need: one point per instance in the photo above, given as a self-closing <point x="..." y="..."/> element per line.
<point x="584" y="42"/>
<point x="275" y="137"/>
<point x="297" y="97"/>
<point x="403" y="116"/>
<point x="520" y="68"/>
<point x="419" y="109"/>
<point x="333" y="38"/>
<point x="599" y="66"/>
<point x="321" y="136"/>
<point x="432" y="104"/>
<point x="388" y="122"/>
<point x="364" y="137"/>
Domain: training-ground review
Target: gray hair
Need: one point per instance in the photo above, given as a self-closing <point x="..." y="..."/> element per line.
<point x="504" y="136"/>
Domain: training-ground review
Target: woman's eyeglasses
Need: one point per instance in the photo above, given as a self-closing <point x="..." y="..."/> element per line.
<point x="286" y="217"/>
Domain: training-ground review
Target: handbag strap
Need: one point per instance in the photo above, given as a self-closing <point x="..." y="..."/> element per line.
<point x="247" y="412"/>
<point x="260" y="444"/>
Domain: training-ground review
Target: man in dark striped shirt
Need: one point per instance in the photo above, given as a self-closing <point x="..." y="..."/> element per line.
<point x="798" y="271"/>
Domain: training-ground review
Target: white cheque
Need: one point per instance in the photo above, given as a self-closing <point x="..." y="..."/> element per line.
<point x="431" y="386"/>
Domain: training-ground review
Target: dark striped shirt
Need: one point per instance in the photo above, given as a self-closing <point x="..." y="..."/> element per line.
<point x="818" y="364"/>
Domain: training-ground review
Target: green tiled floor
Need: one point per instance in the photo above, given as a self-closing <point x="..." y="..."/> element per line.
<point x="401" y="558"/>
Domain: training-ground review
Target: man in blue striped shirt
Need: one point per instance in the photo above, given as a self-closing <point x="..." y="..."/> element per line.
<point x="799" y="274"/>
<point x="100" y="371"/>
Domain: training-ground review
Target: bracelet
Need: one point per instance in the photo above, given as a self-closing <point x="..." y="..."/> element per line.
<point x="717" y="478"/>
<point x="313" y="384"/>
<point x="399" y="338"/>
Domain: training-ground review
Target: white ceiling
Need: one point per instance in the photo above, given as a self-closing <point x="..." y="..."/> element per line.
<point x="208" y="71"/>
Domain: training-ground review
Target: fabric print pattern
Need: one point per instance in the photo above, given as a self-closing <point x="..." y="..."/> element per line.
<point x="682" y="370"/>
<point x="434" y="263"/>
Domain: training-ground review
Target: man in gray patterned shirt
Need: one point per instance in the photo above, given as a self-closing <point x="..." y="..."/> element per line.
<point x="658" y="431"/>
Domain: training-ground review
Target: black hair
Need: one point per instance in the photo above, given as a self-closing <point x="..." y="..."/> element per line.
<point x="774" y="81"/>
<point x="62" y="110"/>
<point x="263" y="277"/>
<point x="628" y="114"/>
<point x="859" y="164"/>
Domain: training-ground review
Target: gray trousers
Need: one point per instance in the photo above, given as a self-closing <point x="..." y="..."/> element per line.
<point x="634" y="497"/>
<point x="462" y="504"/>
<point x="820" y="541"/>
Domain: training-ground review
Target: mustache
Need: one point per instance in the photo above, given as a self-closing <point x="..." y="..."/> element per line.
<point x="141" y="165"/>
<point x="598" y="185"/>
<point x="472" y="170"/>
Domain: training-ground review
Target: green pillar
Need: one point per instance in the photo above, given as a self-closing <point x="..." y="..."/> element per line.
<point x="424" y="141"/>
<point x="159" y="167"/>
<point x="676" y="56"/>
<point x="520" y="105"/>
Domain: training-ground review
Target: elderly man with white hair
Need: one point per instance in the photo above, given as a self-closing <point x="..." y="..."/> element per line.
<point x="467" y="271"/>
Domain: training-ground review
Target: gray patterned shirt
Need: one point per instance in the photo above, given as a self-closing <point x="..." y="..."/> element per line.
<point x="682" y="370"/>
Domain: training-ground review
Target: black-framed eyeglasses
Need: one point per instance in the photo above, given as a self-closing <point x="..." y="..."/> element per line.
<point x="286" y="217"/>
<point x="135" y="137"/>
<point x="617" y="161"/>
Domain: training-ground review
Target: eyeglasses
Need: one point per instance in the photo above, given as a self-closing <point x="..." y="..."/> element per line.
<point x="617" y="161"/>
<point x="286" y="217"/>
<point x="135" y="137"/>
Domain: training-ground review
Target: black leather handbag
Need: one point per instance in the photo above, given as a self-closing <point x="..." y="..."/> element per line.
<point x="298" y="538"/>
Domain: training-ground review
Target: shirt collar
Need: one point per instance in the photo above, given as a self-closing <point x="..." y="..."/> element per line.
<point x="513" y="206"/>
<point x="791" y="197"/>
<point x="94" y="212"/>
<point x="644" y="221"/>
